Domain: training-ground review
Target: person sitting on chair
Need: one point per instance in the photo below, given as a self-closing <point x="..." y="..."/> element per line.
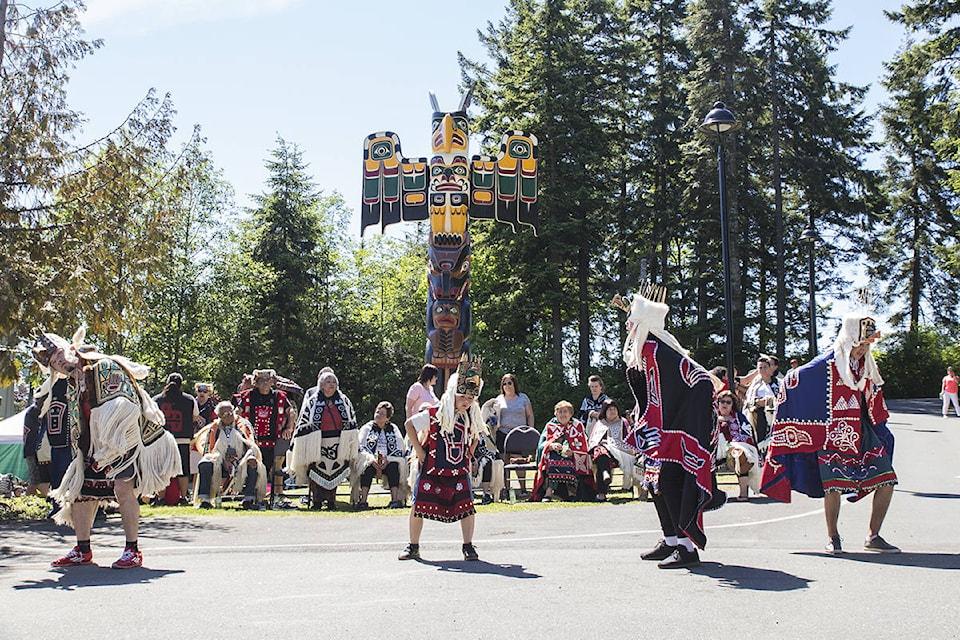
<point x="382" y="451"/>
<point x="737" y="446"/>
<point x="608" y="450"/>
<point x="563" y="464"/>
<point x="230" y="461"/>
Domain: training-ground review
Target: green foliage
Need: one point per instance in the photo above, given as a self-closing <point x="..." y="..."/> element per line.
<point x="24" y="508"/>
<point x="916" y="256"/>
<point x="913" y="362"/>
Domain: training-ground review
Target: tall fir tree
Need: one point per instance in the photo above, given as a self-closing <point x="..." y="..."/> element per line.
<point x="807" y="148"/>
<point x="917" y="257"/>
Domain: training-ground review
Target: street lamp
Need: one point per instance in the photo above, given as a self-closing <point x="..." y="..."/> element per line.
<point x="719" y="121"/>
<point x="811" y="238"/>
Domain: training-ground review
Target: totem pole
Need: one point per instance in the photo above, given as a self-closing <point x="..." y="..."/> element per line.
<point x="448" y="189"/>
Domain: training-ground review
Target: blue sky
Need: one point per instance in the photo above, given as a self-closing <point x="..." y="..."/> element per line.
<point x="324" y="74"/>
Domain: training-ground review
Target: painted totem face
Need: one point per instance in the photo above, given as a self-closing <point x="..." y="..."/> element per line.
<point x="449" y="195"/>
<point x="446" y="314"/>
<point x="450" y="133"/>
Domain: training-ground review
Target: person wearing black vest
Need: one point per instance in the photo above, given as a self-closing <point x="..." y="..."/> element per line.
<point x="273" y="418"/>
<point x="181" y="413"/>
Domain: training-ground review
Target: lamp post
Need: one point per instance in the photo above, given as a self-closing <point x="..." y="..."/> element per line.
<point x="719" y="121"/>
<point x="810" y="237"/>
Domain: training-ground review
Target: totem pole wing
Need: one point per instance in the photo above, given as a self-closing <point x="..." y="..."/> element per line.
<point x="505" y="188"/>
<point x="394" y="187"/>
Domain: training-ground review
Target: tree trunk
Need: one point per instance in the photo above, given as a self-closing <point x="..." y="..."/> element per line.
<point x="777" y="180"/>
<point x="583" y="284"/>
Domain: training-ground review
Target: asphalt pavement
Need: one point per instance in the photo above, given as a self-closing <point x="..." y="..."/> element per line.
<point x="546" y="571"/>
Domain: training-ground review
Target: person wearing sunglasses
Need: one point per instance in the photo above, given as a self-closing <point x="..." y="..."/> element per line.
<point x="736" y="444"/>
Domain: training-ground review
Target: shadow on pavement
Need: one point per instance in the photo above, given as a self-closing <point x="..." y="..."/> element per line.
<point x="949" y="561"/>
<point x="923" y="494"/>
<point x="481" y="567"/>
<point x="752" y="578"/>
<point x="96" y="576"/>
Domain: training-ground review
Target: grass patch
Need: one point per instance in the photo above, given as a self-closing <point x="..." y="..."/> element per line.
<point x="36" y="508"/>
<point x="24" y="508"/>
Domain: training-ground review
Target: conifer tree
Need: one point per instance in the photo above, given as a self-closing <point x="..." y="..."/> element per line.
<point x="917" y="256"/>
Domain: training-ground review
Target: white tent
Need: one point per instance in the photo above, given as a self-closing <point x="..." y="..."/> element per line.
<point x="11" y="446"/>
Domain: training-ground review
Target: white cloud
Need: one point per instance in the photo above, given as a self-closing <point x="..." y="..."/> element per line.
<point x="136" y="17"/>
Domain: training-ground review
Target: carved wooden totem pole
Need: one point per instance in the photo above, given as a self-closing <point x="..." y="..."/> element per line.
<point x="449" y="190"/>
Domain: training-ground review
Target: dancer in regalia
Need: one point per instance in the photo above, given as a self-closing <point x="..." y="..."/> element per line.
<point x="676" y="420"/>
<point x="830" y="436"/>
<point x="454" y="429"/>
<point x="120" y="448"/>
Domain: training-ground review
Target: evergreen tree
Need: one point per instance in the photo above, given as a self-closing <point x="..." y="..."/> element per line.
<point x="717" y="36"/>
<point x="917" y="255"/>
<point x="64" y="211"/>
<point x="807" y="149"/>
<point x="545" y="81"/>
<point x="283" y="271"/>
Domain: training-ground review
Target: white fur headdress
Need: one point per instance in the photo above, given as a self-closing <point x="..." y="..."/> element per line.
<point x="856" y="329"/>
<point x="647" y="315"/>
<point x="446" y="414"/>
<point x="85" y="351"/>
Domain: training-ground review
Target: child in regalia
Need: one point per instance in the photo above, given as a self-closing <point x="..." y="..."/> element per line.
<point x="453" y="430"/>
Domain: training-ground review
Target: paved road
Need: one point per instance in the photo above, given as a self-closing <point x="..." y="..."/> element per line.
<point x="571" y="572"/>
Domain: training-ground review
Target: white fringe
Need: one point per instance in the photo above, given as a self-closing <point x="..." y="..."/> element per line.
<point x="156" y="464"/>
<point x="68" y="491"/>
<point x="404" y="490"/>
<point x="114" y="430"/>
<point x="308" y="449"/>
<point x="240" y="479"/>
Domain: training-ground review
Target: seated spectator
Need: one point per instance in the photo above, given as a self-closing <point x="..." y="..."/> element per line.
<point x="608" y="450"/>
<point x="230" y="461"/>
<point x="487" y="467"/>
<point x="382" y="452"/>
<point x="512" y="409"/>
<point x="761" y="399"/>
<point x="207" y="402"/>
<point x="563" y="464"/>
<point x="736" y="444"/>
<point x="272" y="418"/>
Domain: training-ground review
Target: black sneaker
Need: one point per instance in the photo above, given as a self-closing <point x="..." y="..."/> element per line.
<point x="486" y="499"/>
<point x="879" y="545"/>
<point x="681" y="559"/>
<point x="470" y="552"/>
<point x="205" y="504"/>
<point x="660" y="552"/>
<point x="411" y="552"/>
